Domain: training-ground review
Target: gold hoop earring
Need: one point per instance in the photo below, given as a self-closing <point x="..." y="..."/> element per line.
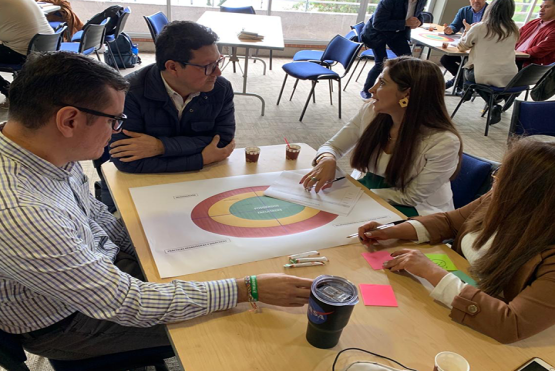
<point x="404" y="102"/>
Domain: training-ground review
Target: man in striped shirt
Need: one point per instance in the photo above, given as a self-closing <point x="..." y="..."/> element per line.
<point x="70" y="286"/>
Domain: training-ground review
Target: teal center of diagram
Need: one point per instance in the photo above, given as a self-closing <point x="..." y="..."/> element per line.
<point x="264" y="208"/>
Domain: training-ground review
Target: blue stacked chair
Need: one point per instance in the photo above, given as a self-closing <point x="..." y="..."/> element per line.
<point x="156" y="23"/>
<point x="339" y="50"/>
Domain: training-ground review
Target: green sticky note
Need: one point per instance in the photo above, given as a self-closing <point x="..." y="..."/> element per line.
<point x="465" y="278"/>
<point x="443" y="261"/>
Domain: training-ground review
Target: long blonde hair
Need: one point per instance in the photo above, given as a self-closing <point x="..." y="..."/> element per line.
<point x="519" y="212"/>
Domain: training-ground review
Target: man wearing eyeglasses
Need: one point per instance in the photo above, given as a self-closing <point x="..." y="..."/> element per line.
<point x="70" y="285"/>
<point x="180" y="110"/>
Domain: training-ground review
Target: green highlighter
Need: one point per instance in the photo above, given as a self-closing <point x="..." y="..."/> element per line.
<point x="465" y="278"/>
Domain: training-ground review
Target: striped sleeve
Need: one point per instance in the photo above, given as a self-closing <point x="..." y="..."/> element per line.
<point x="56" y="257"/>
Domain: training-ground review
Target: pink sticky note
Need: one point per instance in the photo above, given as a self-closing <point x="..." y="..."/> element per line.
<point x="378" y="295"/>
<point x="376" y="259"/>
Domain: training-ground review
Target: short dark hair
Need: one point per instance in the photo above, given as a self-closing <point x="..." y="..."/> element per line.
<point x="49" y="79"/>
<point x="178" y="39"/>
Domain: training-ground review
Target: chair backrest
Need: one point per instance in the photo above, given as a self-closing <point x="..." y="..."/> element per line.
<point x="46" y="42"/>
<point x="12" y="356"/>
<point x="342" y="51"/>
<point x="358" y="30"/>
<point x="239" y="9"/>
<point x="529" y="75"/>
<point x="473" y="180"/>
<point x="533" y="118"/>
<point x="156" y="23"/>
<point x="122" y="21"/>
<point x="93" y="36"/>
<point x="427" y="17"/>
<point x="352" y="35"/>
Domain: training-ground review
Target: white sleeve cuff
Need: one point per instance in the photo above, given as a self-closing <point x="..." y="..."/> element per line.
<point x="421" y="231"/>
<point x="446" y="290"/>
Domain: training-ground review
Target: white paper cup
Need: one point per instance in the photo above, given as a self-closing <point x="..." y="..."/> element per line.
<point x="449" y="361"/>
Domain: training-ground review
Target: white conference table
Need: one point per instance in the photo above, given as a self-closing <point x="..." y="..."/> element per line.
<point x="274" y="340"/>
<point x="228" y="26"/>
<point x="48" y="8"/>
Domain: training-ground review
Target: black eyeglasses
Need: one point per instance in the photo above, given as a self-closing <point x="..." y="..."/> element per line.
<point x="209" y="68"/>
<point x="117" y="121"/>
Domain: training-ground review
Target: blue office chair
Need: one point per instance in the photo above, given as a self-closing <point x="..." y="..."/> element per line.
<point x="338" y="50"/>
<point x="427" y="17"/>
<point x="473" y="180"/>
<point x="238" y="9"/>
<point x="527" y="76"/>
<point x="110" y="39"/>
<point x="366" y="55"/>
<point x="12" y="358"/>
<point x="156" y="23"/>
<point x="39" y="43"/>
<point x="533" y="118"/>
<point x="91" y="40"/>
<point x="316" y="55"/>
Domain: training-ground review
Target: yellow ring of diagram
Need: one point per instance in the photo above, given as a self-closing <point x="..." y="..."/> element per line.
<point x="220" y="213"/>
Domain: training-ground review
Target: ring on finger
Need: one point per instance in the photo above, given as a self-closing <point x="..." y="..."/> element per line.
<point x="314" y="179"/>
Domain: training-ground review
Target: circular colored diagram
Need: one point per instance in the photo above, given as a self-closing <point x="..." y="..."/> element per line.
<point x="246" y="212"/>
<point x="436" y="37"/>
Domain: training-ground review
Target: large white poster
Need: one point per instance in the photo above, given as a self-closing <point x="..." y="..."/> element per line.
<point x="208" y="224"/>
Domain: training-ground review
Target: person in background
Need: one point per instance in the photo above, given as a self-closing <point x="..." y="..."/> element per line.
<point x="390" y="26"/>
<point x="70" y="284"/>
<point x="507" y="236"/>
<point x="20" y="20"/>
<point x="472" y="14"/>
<point x="67" y="15"/>
<point x="403" y="140"/>
<point x="537" y="37"/>
<point x="491" y="60"/>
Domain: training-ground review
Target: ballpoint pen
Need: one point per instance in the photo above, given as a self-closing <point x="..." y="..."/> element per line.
<point x="380" y="227"/>
<point x="328" y="182"/>
<point x="336" y="179"/>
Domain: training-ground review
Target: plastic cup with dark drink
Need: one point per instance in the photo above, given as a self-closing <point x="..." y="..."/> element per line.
<point x="252" y="154"/>
<point x="292" y="151"/>
<point x="332" y="300"/>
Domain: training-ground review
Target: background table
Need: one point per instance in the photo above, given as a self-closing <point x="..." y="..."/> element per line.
<point x="420" y="35"/>
<point x="274" y="340"/>
<point x="228" y="26"/>
<point x="48" y="8"/>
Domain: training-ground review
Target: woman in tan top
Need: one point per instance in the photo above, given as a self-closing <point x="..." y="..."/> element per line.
<point x="508" y="237"/>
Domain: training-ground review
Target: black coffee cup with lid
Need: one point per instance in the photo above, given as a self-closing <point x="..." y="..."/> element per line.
<point x="332" y="300"/>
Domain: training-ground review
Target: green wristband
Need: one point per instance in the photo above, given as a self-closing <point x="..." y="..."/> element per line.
<point x="254" y="288"/>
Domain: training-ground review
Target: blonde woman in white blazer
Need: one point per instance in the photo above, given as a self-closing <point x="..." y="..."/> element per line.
<point x="403" y="139"/>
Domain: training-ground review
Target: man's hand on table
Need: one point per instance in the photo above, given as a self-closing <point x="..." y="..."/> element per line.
<point x="447" y="30"/>
<point x="278" y="289"/>
<point x="211" y="153"/>
<point x="136" y="147"/>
